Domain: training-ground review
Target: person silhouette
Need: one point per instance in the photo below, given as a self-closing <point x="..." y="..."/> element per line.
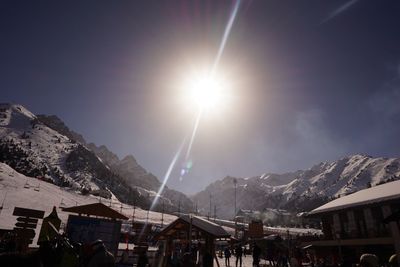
<point x="239" y="254"/>
<point x="227" y="253"/>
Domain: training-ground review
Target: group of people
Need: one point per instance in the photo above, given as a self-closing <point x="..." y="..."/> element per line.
<point x="298" y="258"/>
<point x="239" y="252"/>
<point x="365" y="260"/>
<point x="59" y="251"/>
<point x="190" y="256"/>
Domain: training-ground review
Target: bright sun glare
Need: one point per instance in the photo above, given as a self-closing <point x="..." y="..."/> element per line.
<point x="207" y="92"/>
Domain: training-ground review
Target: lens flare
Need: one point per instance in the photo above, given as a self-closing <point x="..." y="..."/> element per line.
<point x="208" y="92"/>
<point x="227" y="31"/>
<point x="168" y="174"/>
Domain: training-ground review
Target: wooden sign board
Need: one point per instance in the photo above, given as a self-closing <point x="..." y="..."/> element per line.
<point x="85" y="230"/>
<point x="27" y="220"/>
<point x="25" y="225"/>
<point x="31" y="213"/>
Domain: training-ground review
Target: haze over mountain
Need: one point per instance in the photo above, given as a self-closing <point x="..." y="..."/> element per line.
<point x="297" y="191"/>
<point x="43" y="146"/>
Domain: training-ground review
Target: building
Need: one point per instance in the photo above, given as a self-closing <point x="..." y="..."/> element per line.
<point x="184" y="232"/>
<point x="358" y="223"/>
<point x="95" y="221"/>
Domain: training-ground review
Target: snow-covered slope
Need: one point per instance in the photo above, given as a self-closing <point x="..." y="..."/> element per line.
<point x="43" y="146"/>
<point x="300" y="190"/>
<point x="18" y="190"/>
<point x="31" y="147"/>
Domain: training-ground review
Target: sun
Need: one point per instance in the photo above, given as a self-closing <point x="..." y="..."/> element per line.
<point x="207" y="92"/>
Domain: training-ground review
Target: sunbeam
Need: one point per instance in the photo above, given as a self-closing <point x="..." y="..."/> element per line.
<point x="206" y="94"/>
<point x="186" y="162"/>
<point x="226" y="35"/>
<point x="168" y="174"/>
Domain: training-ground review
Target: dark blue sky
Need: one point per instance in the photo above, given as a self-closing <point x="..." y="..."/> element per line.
<point x="314" y="80"/>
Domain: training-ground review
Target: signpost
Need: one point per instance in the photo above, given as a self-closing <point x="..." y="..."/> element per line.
<point x="26" y="225"/>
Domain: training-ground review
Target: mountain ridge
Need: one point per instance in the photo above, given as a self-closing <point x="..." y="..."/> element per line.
<point x="43" y="146"/>
<point x="301" y="190"/>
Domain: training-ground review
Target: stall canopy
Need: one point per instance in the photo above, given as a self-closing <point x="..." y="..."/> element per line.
<point x="96" y="209"/>
<point x="197" y="223"/>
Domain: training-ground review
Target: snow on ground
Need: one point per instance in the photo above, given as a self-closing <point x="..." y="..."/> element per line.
<point x="17" y="190"/>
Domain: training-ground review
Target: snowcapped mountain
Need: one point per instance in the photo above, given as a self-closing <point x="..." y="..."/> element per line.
<point x="301" y="190"/>
<point x="44" y="147"/>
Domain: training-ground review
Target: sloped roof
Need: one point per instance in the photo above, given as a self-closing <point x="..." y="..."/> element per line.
<point x="376" y="194"/>
<point x="96" y="209"/>
<point x="197" y="222"/>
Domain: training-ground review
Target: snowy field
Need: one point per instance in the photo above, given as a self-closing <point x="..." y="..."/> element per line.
<point x="17" y="190"/>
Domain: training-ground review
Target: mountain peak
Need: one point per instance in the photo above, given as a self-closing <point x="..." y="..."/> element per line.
<point x="16" y="108"/>
<point x="16" y="117"/>
<point x="129" y="159"/>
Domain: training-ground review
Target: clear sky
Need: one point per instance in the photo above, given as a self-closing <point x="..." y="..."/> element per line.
<point x="310" y="80"/>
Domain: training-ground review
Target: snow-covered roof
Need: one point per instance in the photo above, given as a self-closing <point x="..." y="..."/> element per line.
<point x="371" y="195"/>
<point x="97" y="209"/>
<point x="200" y="223"/>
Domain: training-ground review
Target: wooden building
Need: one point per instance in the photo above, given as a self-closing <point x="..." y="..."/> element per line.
<point x="188" y="230"/>
<point x="362" y="222"/>
<point x="95" y="221"/>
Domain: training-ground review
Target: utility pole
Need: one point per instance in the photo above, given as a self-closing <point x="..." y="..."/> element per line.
<point x="209" y="214"/>
<point x="235" y="184"/>
<point x="162" y="215"/>
<point x="179" y="207"/>
<point x="234" y="216"/>
<point x="133" y="215"/>
<point x="215" y="212"/>
<point x="190" y="232"/>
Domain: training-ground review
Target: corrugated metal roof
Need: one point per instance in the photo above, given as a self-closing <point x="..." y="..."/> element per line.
<point x="376" y="194"/>
<point x="96" y="209"/>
